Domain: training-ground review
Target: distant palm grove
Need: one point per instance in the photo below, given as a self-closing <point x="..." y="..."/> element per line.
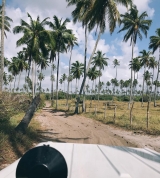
<point x="44" y="40"/>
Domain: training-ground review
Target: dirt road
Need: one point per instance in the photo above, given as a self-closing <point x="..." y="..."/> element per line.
<point x="58" y="127"/>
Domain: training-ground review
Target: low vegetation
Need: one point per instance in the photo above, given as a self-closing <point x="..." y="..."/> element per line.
<point x="122" y="114"/>
<point x="13" y="144"/>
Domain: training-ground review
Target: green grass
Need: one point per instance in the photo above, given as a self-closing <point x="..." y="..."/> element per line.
<point x="122" y="115"/>
<point x="13" y="145"/>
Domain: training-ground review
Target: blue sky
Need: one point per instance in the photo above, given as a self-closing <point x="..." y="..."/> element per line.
<point x="111" y="45"/>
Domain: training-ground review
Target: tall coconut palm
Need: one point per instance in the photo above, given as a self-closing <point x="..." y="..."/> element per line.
<point x="40" y="78"/>
<point x="100" y="61"/>
<point x="77" y="71"/>
<point x="35" y="36"/>
<point x="152" y="65"/>
<point x="154" y="45"/>
<point x="147" y="76"/>
<point x="79" y="14"/>
<point x="144" y="60"/>
<point x="93" y="74"/>
<point x="115" y="64"/>
<point x="64" y="78"/>
<point x="62" y="35"/>
<point x="135" y="24"/>
<point x="91" y="16"/>
<point x="135" y="65"/>
<point x="21" y="65"/>
<point x="13" y="68"/>
<point x="72" y="41"/>
<point x="53" y="67"/>
<point x="70" y="79"/>
<point x="52" y="94"/>
<point x="61" y="81"/>
<point x="4" y="26"/>
<point x="10" y="80"/>
<point x="6" y="62"/>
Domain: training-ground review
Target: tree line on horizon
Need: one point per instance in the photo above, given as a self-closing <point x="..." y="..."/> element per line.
<point x="43" y="49"/>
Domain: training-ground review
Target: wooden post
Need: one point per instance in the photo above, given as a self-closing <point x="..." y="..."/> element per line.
<point x="95" y="110"/>
<point x="131" y="114"/>
<point x="148" y="114"/>
<point x="115" y="113"/>
<point x="105" y="111"/>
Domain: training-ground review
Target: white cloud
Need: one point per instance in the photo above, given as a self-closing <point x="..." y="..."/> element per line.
<point x="142" y="5"/>
<point x="48" y="8"/>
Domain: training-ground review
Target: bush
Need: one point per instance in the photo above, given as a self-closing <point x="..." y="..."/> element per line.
<point x="145" y="99"/>
<point x="42" y="101"/>
<point x="47" y="96"/>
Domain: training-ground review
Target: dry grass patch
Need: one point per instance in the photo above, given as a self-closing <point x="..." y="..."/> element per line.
<point x="139" y="114"/>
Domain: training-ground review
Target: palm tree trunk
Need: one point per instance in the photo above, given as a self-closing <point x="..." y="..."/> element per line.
<point x="152" y="86"/>
<point x="22" y="126"/>
<point x="14" y="83"/>
<point x="69" y="73"/>
<point x="10" y="87"/>
<point x="57" y="83"/>
<point x="29" y="64"/>
<point x="19" y="79"/>
<point x="85" y="57"/>
<point x="116" y="72"/>
<point x="143" y="85"/>
<point x="95" y="90"/>
<point x="35" y="76"/>
<point x="155" y="90"/>
<point x="99" y="86"/>
<point x="131" y="85"/>
<point x="71" y="89"/>
<point x="32" y="79"/>
<point x="51" y="86"/>
<point x="84" y="79"/>
<point x="76" y="87"/>
<point x="92" y="90"/>
<point x="2" y="47"/>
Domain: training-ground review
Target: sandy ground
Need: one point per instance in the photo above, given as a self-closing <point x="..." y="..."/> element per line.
<point x="58" y="127"/>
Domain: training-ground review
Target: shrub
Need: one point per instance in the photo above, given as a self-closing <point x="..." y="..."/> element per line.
<point x="145" y="99"/>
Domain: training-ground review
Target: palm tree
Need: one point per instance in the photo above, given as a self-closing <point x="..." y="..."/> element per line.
<point x="152" y="65"/>
<point x="147" y="77"/>
<point x="4" y="26"/>
<point x="135" y="83"/>
<point x="154" y="45"/>
<point x="61" y="81"/>
<point x="116" y="63"/>
<point x="135" y="24"/>
<point x="121" y="82"/>
<point x="64" y="78"/>
<point x="99" y="61"/>
<point x="88" y="12"/>
<point x="62" y="35"/>
<point x="144" y="60"/>
<point x="79" y="14"/>
<point x="21" y="65"/>
<point x="40" y="78"/>
<point x="77" y="71"/>
<point x="53" y="67"/>
<point x="71" y="43"/>
<point x="92" y="74"/>
<point x="52" y="94"/>
<point x="10" y="80"/>
<point x="13" y="68"/>
<point x="6" y="62"/>
<point x="135" y="65"/>
<point x="35" y="37"/>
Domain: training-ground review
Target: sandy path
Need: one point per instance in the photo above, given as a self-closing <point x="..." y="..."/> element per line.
<point x="58" y="127"/>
